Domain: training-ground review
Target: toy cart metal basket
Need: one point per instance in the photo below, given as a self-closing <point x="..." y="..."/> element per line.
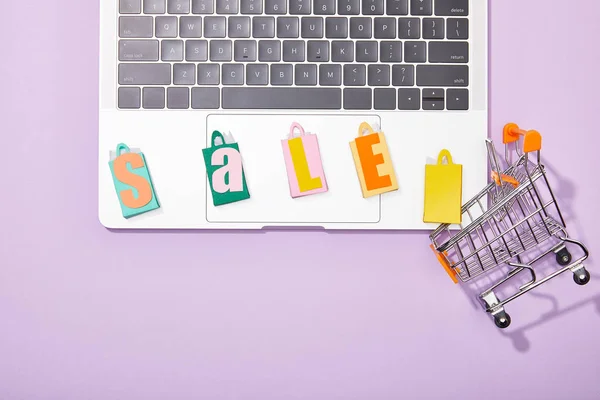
<point x="522" y="224"/>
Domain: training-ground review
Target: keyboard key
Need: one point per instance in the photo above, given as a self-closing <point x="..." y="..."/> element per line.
<point x="130" y="7"/>
<point x="342" y="51"/>
<point x="360" y="28"/>
<point x="415" y="52"/>
<point x="372" y="7"/>
<point x="312" y="27"/>
<point x="178" y="7"/>
<point x="324" y="7"/>
<point x="153" y="98"/>
<point x="317" y="51"/>
<point x="357" y="99"/>
<point x="348" y="7"/>
<point x="269" y="50"/>
<point x="138" y="50"/>
<point x="385" y="28"/>
<point x="251" y="6"/>
<point x="166" y="27"/>
<point x="293" y="50"/>
<point x="452" y="7"/>
<point x="196" y="50"/>
<point x="190" y="27"/>
<point x="135" y="27"/>
<point x="171" y="50"/>
<point x="409" y="99"/>
<point x="379" y="75"/>
<point x="288" y="27"/>
<point x="433" y="28"/>
<point x="220" y="50"/>
<point x="409" y="28"/>
<point x="448" y="52"/>
<point x="282" y="74"/>
<point x="206" y="98"/>
<point x="239" y="27"/>
<point x="130" y="97"/>
<point x="397" y="7"/>
<point x="336" y="27"/>
<point x="209" y="74"/>
<point x="178" y="98"/>
<point x="227" y="6"/>
<point x="457" y="99"/>
<point x="263" y="27"/>
<point x="154" y="7"/>
<point x="202" y="6"/>
<point x="214" y="27"/>
<point x="442" y="75"/>
<point x="144" y="74"/>
<point x="457" y="28"/>
<point x="275" y="6"/>
<point x="305" y="74"/>
<point x="355" y="75"/>
<point x="282" y="98"/>
<point x="384" y="99"/>
<point x="257" y="74"/>
<point x="184" y="74"/>
<point x="433" y="94"/>
<point x="300" y="7"/>
<point x="244" y="50"/>
<point x="390" y="51"/>
<point x="366" y="51"/>
<point x="421" y="7"/>
<point x="403" y="75"/>
<point x="330" y="75"/>
<point x="233" y="74"/>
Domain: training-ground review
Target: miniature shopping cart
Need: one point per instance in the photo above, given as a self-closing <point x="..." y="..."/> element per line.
<point x="521" y="224"/>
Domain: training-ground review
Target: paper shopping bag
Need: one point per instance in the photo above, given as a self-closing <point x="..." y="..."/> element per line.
<point x="443" y="191"/>
<point x="303" y="163"/>
<point x="225" y="171"/>
<point x="373" y="162"/>
<point x="133" y="183"/>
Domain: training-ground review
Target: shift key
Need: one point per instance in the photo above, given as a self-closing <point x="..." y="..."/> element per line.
<point x="145" y="74"/>
<point x="442" y="75"/>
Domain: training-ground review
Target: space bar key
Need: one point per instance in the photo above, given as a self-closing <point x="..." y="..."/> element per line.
<point x="282" y="98"/>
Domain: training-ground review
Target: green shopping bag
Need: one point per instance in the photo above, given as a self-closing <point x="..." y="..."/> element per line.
<point x="225" y="171"/>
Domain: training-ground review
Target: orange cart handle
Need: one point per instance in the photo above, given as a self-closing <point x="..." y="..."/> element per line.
<point x="444" y="262"/>
<point x="532" y="140"/>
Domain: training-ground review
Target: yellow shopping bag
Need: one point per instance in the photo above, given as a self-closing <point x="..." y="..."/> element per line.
<point x="443" y="191"/>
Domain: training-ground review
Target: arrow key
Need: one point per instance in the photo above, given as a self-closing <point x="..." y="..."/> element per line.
<point x="409" y="99"/>
<point x="458" y="99"/>
<point x="421" y="7"/>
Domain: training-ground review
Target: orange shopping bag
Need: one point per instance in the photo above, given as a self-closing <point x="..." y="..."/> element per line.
<point x="373" y="162"/>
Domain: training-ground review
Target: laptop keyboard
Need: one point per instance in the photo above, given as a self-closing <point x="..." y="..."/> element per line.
<point x="294" y="54"/>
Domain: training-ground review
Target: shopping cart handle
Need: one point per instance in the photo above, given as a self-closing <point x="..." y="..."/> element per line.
<point x="532" y="140"/>
<point x="442" y="259"/>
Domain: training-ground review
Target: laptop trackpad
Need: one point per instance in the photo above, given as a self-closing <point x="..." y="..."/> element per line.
<point x="259" y="138"/>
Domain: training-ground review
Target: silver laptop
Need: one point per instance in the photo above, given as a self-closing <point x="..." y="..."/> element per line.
<point x="173" y="71"/>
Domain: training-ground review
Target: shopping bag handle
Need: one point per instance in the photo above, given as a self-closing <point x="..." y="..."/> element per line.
<point x="122" y="147"/>
<point x="216" y="135"/>
<point x="365" y="127"/>
<point x="445" y="154"/>
<point x="295" y="126"/>
<point x="532" y="140"/>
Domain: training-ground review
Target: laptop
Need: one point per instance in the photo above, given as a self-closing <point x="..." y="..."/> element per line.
<point x="174" y="71"/>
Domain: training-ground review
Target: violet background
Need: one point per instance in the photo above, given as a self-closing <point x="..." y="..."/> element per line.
<point x="86" y="313"/>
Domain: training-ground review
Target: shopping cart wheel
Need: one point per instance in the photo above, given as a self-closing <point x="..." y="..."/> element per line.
<point x="581" y="276"/>
<point x="502" y="320"/>
<point x="563" y="257"/>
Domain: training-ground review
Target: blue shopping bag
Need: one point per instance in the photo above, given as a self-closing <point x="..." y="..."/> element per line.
<point x="133" y="183"/>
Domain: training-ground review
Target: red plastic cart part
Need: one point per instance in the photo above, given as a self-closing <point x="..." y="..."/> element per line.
<point x="442" y="260"/>
<point x="505" y="178"/>
<point x="532" y="140"/>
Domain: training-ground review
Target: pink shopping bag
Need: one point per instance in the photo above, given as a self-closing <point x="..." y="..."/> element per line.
<point x="303" y="163"/>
